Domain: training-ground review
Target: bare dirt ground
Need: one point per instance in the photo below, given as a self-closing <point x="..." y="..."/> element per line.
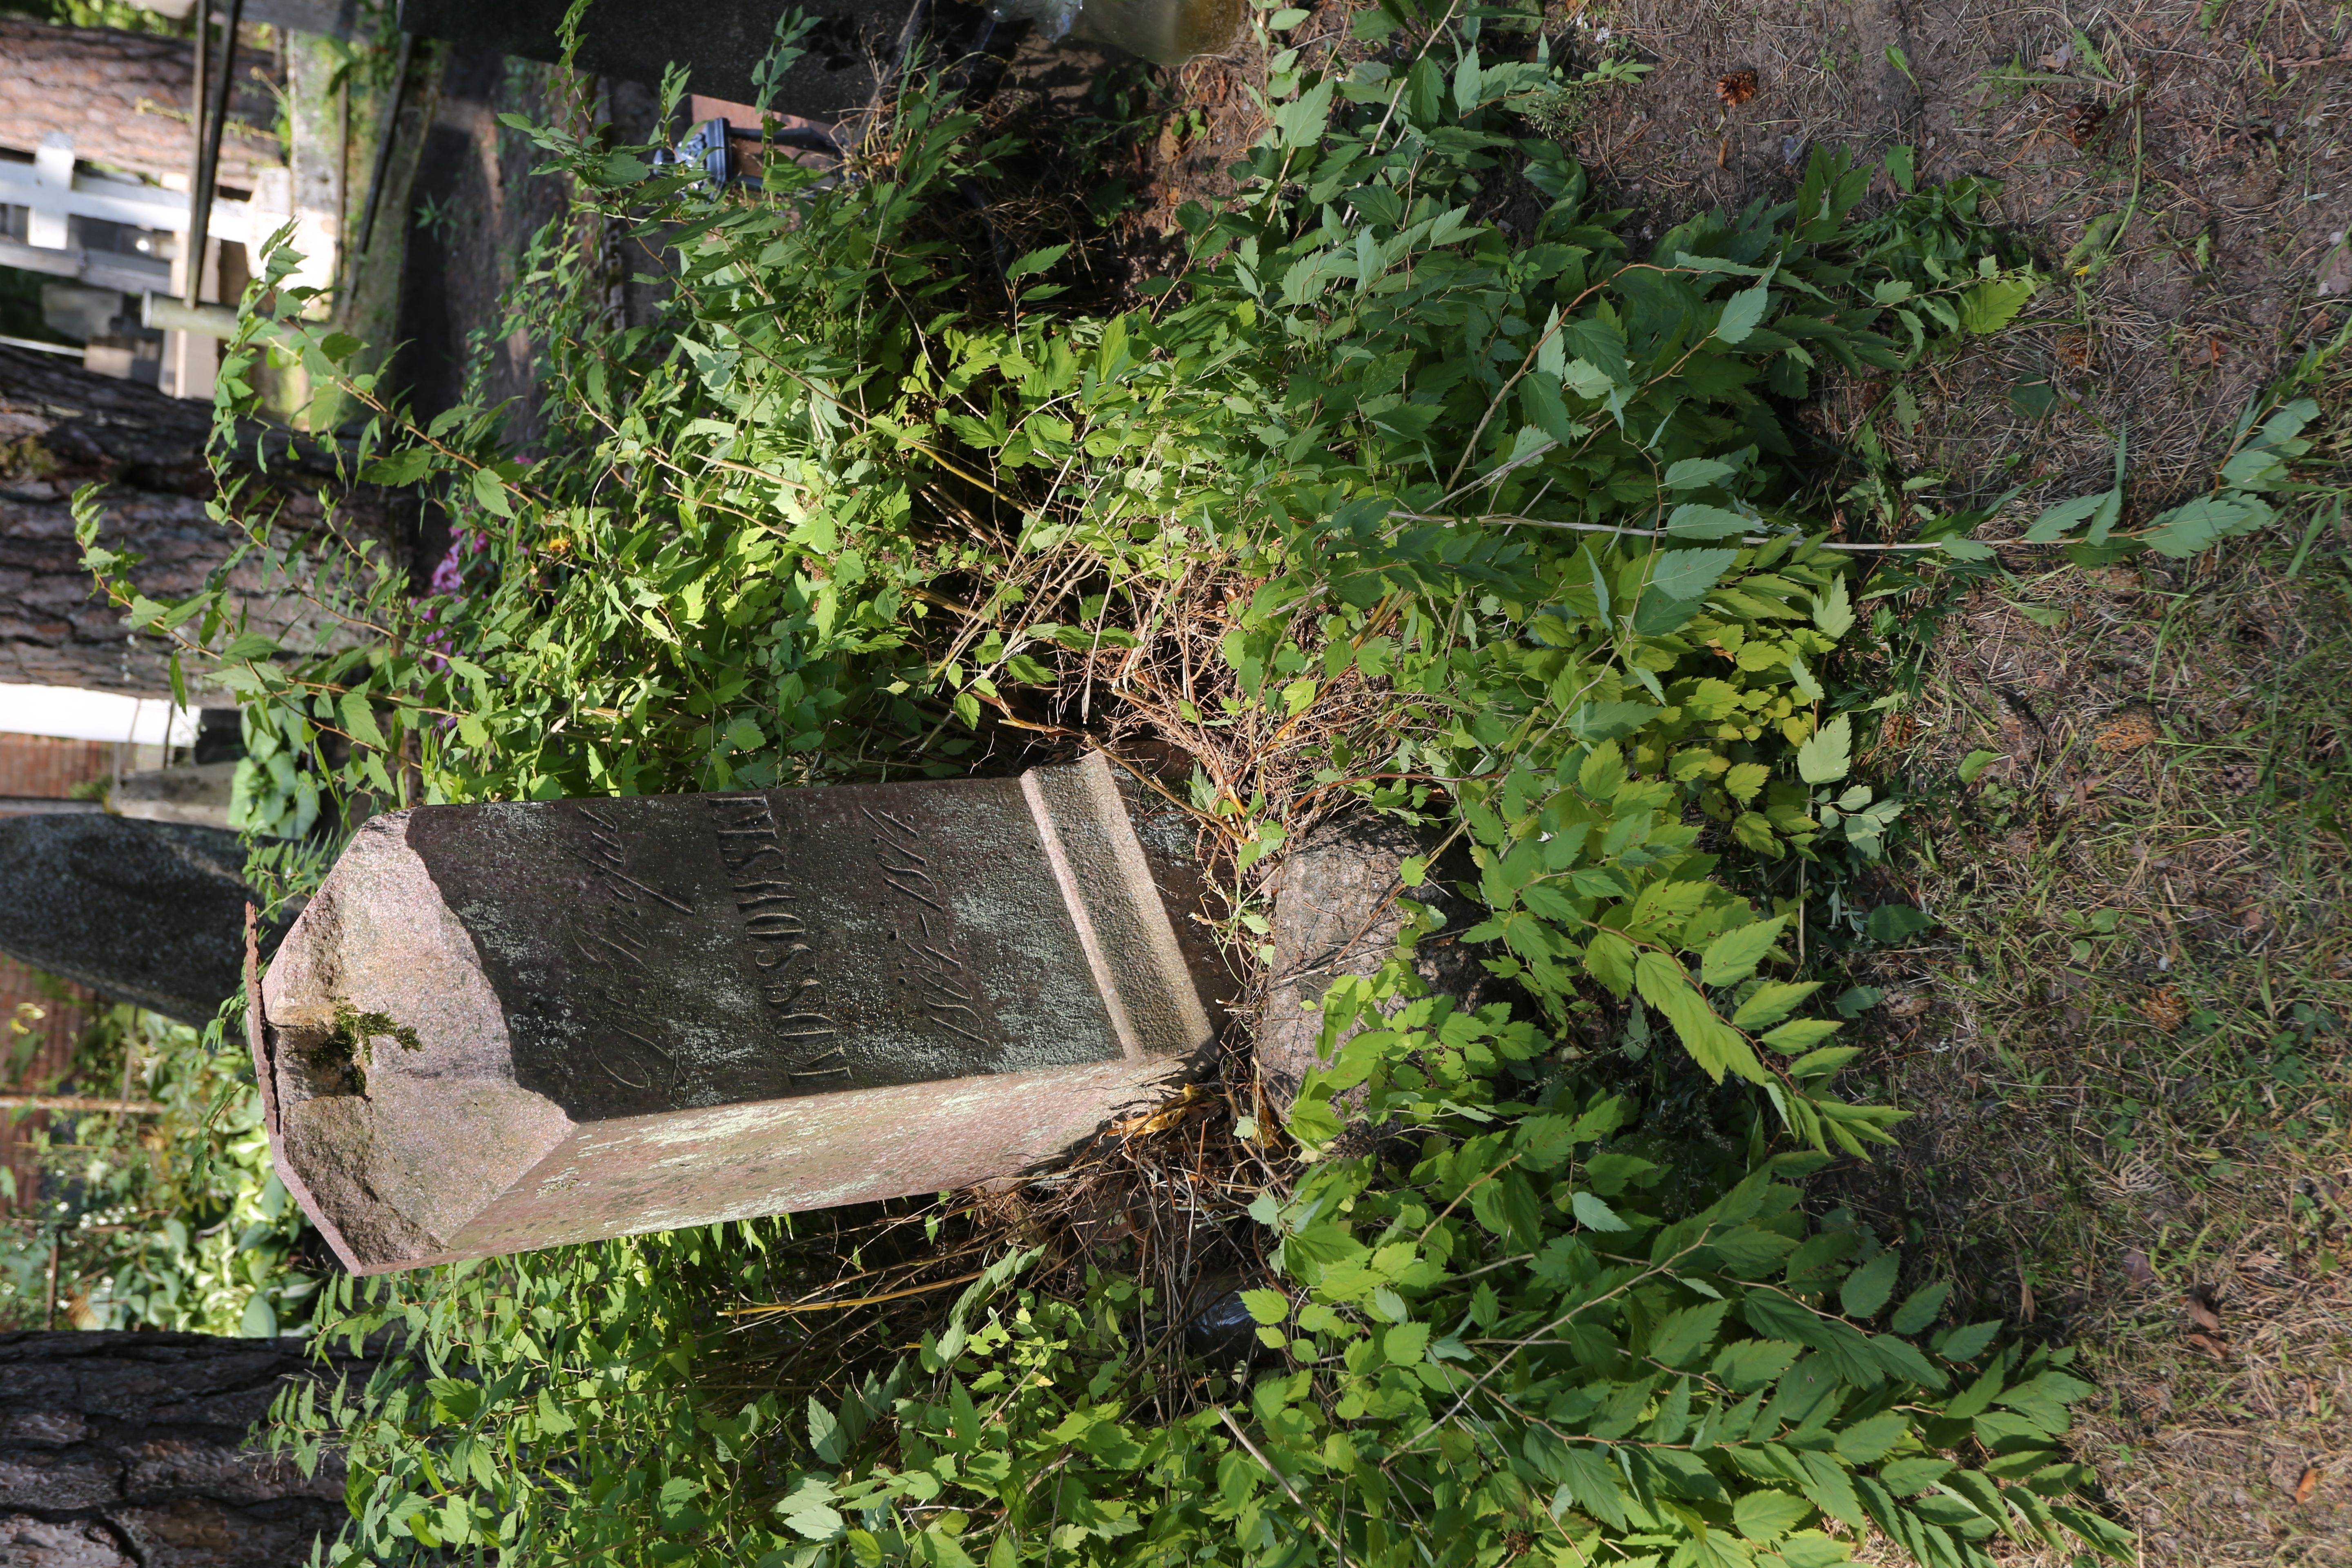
<point x="2126" y="1045"/>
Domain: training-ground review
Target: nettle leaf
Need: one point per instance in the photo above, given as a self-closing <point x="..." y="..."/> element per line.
<point x="2187" y="531"/>
<point x="1689" y="574"/>
<point x="1692" y="520"/>
<point x="1865" y="1290"/>
<point x="1733" y="956"/>
<point x="1828" y="755"/>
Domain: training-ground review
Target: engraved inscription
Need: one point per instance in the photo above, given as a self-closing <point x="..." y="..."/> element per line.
<point x="782" y="951"/>
<point x="927" y="959"/>
<point x="612" y="936"/>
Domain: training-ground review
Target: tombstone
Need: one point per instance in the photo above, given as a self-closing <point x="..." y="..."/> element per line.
<point x="855" y="46"/>
<point x="500" y="1028"/>
<point x="147" y="912"/>
<point x="1336" y="912"/>
<point x="201" y="794"/>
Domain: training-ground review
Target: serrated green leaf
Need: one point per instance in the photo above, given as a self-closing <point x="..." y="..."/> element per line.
<point x="491" y="491"/>
<point x="1919" y="1309"/>
<point x="1743" y="313"/>
<point x="1602" y="773"/>
<point x="1833" y="609"/>
<point x="1715" y="1045"/>
<point x="1685" y="574"/>
<point x="1867" y="1442"/>
<point x="1866" y="1289"/>
<point x="1964" y="1343"/>
<point x="1742" y="780"/>
<point x="2056" y="520"/>
<point x="1036" y="261"/>
<point x="1828" y="754"/>
<point x="1693" y="521"/>
<point x="359" y="720"/>
<point x="1800" y="1035"/>
<point x="2186" y="531"/>
<point x="1992" y="305"/>
<point x="1733" y="956"/>
<point x="1765" y="1516"/>
<point x="1405" y="1344"/>
<point x="1682" y="1334"/>
<point x="1906" y="1478"/>
<point x="1267" y="1307"/>
<point x="1594" y="1215"/>
<point x="1747" y="1364"/>
<point x="1772" y="1001"/>
<point x="1698" y="473"/>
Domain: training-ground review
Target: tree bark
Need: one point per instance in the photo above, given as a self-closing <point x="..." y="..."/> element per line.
<point x="61" y="427"/>
<point x="127" y="1450"/>
<point x="124" y="98"/>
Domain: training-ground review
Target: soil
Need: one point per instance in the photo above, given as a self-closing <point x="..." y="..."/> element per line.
<point x="2177" y="168"/>
<point x="2113" y="1152"/>
<point x="2198" y="147"/>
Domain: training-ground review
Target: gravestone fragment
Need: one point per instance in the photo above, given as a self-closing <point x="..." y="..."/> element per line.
<point x="1336" y="912"/>
<point x="850" y="48"/>
<point x="500" y="1028"/>
<point x="147" y="912"/>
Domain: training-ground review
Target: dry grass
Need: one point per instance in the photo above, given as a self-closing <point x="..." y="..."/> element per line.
<point x="2127" y="1046"/>
<point x="1160" y="1198"/>
<point x="2175" y="163"/>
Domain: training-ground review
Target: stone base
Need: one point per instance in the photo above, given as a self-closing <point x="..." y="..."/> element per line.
<point x="1335" y="913"/>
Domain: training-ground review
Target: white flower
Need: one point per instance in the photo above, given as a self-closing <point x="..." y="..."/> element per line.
<point x="1601" y="35"/>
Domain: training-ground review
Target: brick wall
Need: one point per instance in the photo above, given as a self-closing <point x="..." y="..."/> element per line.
<point x="40" y="766"/>
<point x="124" y="98"/>
<point x="54" y="1013"/>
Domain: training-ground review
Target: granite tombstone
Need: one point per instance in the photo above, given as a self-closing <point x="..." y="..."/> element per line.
<point x="499" y="1027"/>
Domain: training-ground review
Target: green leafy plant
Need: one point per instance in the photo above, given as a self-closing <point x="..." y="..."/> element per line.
<point x="1370" y="505"/>
<point x="2255" y="466"/>
<point x="169" y="1218"/>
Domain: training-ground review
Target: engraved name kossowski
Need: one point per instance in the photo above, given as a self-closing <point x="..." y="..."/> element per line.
<point x="781" y="951"/>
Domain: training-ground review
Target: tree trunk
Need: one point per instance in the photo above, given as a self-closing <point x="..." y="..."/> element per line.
<point x="124" y="98"/>
<point x="61" y="427"/>
<point x="123" y="1449"/>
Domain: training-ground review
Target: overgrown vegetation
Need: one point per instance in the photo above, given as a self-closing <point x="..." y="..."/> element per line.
<point x="168" y="1218"/>
<point x="1371" y="506"/>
